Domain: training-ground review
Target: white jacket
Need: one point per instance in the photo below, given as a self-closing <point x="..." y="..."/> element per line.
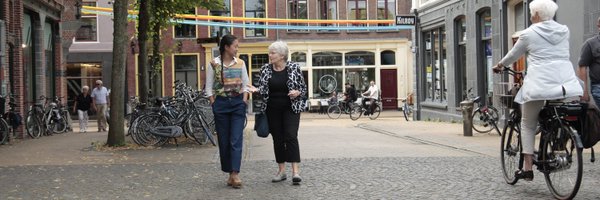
<point x="550" y="74"/>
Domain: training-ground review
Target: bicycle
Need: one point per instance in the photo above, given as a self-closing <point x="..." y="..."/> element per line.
<point x="336" y="109"/>
<point x="357" y="111"/>
<point x="407" y="110"/>
<point x="10" y="121"/>
<point x="486" y="114"/>
<point x="559" y="152"/>
<point x="33" y="122"/>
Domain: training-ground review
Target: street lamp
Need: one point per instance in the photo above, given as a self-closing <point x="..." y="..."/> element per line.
<point x="78" y="10"/>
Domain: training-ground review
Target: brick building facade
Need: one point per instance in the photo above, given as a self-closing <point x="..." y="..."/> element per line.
<point x="33" y="48"/>
<point x="340" y="54"/>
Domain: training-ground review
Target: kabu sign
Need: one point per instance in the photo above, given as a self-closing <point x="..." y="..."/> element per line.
<point x="406" y="20"/>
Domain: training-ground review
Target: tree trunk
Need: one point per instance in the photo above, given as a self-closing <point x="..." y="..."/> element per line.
<point x="143" y="28"/>
<point x="156" y="59"/>
<point x="116" y="136"/>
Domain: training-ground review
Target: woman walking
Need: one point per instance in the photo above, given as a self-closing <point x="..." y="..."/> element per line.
<point x="283" y="91"/>
<point x="226" y="82"/>
<point x="82" y="104"/>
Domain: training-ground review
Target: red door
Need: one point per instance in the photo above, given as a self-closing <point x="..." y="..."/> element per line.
<point x="389" y="88"/>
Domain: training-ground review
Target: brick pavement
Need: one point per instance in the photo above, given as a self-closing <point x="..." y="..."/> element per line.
<point x="387" y="158"/>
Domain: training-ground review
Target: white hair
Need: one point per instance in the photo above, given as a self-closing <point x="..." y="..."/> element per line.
<point x="546" y="9"/>
<point x="99" y="82"/>
<point x="280" y="48"/>
<point x="85" y="87"/>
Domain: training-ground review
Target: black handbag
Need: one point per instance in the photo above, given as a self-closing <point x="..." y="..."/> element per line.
<point x="261" y="125"/>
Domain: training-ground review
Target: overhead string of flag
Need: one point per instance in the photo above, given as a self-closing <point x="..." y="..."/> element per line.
<point x="269" y="23"/>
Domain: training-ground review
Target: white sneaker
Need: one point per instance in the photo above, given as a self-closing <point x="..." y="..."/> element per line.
<point x="279" y="178"/>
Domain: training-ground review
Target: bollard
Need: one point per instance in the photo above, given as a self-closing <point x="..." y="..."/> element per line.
<point x="467" y="113"/>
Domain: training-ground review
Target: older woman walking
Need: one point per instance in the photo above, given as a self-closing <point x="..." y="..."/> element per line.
<point x="283" y="91"/>
<point x="550" y="74"/>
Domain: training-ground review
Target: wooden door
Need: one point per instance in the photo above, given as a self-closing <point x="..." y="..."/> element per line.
<point x="389" y="88"/>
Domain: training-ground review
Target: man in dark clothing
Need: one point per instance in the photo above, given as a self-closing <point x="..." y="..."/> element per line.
<point x="590" y="58"/>
<point x="350" y="94"/>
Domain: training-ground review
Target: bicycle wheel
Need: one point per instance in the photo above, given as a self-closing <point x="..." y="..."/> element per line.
<point x="375" y="113"/>
<point x="194" y="128"/>
<point x="142" y="128"/>
<point x="355" y="112"/>
<point x="563" y="172"/>
<point x="4" y="131"/>
<point x="480" y="122"/>
<point x="57" y="125"/>
<point x="510" y="154"/>
<point x="33" y="126"/>
<point x="405" y="111"/>
<point x="334" y="112"/>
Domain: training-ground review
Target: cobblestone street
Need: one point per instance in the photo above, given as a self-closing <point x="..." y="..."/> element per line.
<point x="382" y="159"/>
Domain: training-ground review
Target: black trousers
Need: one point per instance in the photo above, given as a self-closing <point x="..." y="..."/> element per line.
<point x="283" y="125"/>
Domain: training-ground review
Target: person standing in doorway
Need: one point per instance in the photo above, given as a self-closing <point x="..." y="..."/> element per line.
<point x="82" y="104"/>
<point x="590" y="59"/>
<point x="226" y="82"/>
<point x="100" y="102"/>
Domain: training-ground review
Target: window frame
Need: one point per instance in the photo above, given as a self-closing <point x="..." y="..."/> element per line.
<point x="295" y="11"/>
<point x="321" y="13"/>
<point x="386" y="3"/>
<point x="265" y="31"/>
<point x="195" y="28"/>
<point x="439" y="38"/>
<point x="197" y="69"/>
<point x="484" y="72"/>
<point x="88" y="16"/>
<point x="220" y="13"/>
<point x="460" y="63"/>
<point x="357" y="13"/>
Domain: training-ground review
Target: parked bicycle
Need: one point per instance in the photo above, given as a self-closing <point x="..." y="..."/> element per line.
<point x="485" y="117"/>
<point x="34" y="122"/>
<point x="10" y="121"/>
<point x="559" y="152"/>
<point x="407" y="109"/>
<point x="358" y="111"/>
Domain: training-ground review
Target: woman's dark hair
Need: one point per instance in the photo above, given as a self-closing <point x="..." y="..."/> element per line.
<point x="226" y="40"/>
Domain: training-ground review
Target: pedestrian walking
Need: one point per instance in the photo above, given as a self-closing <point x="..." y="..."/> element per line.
<point x="283" y="92"/>
<point x="82" y="104"/>
<point x="590" y="59"/>
<point x="100" y="103"/>
<point x="226" y="82"/>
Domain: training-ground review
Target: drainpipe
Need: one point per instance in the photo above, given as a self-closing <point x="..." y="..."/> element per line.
<point x="416" y="93"/>
<point x="276" y="16"/>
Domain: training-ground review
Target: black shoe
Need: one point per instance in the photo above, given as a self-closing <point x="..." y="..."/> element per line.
<point x="525" y="175"/>
<point x="296" y="179"/>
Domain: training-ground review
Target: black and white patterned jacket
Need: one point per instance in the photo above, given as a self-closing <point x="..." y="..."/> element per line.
<point x="295" y="82"/>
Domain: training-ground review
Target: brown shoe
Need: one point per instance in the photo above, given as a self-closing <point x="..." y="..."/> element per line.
<point x="229" y="181"/>
<point x="236" y="182"/>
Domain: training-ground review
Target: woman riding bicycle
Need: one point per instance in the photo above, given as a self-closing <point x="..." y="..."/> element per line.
<point x="550" y="74"/>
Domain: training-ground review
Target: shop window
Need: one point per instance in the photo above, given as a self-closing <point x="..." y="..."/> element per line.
<point x="461" y="59"/>
<point x="435" y="65"/>
<point x="328" y="10"/>
<point x="300" y="58"/>
<point x="357" y="10"/>
<point x="255" y="9"/>
<point x="386" y="9"/>
<point x="216" y="31"/>
<point x="297" y="9"/>
<point x="360" y="78"/>
<point x="88" y="32"/>
<point x="325" y="82"/>
<point x="360" y="58"/>
<point x="327" y="59"/>
<point x="388" y="57"/>
<point x="258" y="60"/>
<point x="186" y="69"/>
<point x="186" y="30"/>
<point x="49" y="32"/>
<point x="484" y="35"/>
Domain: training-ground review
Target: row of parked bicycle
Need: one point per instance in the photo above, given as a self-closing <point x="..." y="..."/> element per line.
<point x="45" y="118"/>
<point x="187" y="114"/>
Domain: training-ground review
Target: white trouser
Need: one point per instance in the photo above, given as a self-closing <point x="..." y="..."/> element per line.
<point x="529" y="120"/>
<point x="83" y="119"/>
